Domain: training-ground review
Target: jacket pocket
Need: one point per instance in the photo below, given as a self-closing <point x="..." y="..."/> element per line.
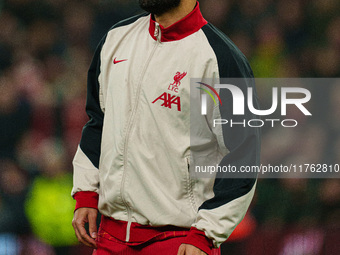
<point x="190" y="186"/>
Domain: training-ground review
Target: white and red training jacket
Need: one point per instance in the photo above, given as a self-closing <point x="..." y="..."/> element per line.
<point x="133" y="159"/>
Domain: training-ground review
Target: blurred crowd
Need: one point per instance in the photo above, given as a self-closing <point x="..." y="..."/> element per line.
<point x="45" y="50"/>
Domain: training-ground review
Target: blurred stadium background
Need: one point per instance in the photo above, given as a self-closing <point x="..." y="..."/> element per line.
<point x="45" y="50"/>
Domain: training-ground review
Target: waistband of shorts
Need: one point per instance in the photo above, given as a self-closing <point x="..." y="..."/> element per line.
<point x="139" y="233"/>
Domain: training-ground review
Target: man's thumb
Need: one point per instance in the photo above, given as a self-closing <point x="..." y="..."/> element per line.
<point x="93" y="225"/>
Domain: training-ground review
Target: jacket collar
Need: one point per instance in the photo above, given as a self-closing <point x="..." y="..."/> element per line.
<point x="190" y="24"/>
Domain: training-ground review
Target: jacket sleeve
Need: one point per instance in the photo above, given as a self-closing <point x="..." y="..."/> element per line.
<point x="218" y="217"/>
<point x="86" y="160"/>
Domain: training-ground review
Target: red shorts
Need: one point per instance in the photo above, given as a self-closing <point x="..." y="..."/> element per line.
<point x="109" y="245"/>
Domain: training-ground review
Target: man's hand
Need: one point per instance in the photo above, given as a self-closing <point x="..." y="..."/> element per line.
<point x="82" y="216"/>
<point x="188" y="249"/>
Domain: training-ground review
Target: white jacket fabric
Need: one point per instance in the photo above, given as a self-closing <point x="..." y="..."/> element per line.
<point x="135" y="150"/>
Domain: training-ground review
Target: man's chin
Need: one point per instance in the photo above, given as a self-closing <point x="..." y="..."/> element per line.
<point x="158" y="7"/>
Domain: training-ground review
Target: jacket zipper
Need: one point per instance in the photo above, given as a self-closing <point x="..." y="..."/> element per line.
<point x="157" y="34"/>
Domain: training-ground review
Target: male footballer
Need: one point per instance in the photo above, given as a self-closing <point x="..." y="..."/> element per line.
<point x="132" y="164"/>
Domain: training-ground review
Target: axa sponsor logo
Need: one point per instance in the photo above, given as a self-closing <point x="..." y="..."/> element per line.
<point x="169" y="100"/>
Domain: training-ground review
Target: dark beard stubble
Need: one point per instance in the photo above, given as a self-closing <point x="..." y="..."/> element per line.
<point x="158" y="7"/>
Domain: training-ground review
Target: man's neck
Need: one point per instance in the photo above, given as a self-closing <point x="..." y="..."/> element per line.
<point x="176" y="14"/>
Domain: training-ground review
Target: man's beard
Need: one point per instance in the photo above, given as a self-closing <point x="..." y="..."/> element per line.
<point x="158" y="7"/>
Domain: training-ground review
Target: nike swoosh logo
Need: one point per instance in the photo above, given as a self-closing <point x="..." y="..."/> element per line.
<point x="118" y="61"/>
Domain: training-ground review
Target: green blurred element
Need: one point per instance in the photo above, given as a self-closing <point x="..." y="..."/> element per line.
<point x="49" y="209"/>
<point x="267" y="60"/>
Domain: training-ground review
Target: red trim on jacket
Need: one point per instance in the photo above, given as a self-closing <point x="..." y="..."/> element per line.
<point x="190" y="24"/>
<point x="198" y="239"/>
<point x="86" y="199"/>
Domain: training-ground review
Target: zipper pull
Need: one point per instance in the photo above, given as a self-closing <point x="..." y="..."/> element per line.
<point x="157" y="32"/>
